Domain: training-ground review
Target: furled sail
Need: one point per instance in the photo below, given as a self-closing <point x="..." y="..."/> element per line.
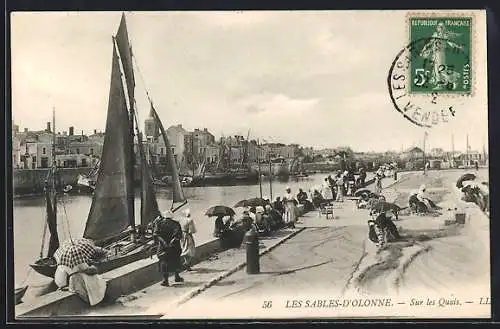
<point x="110" y="211"/>
<point x="153" y="165"/>
<point x="178" y="193"/>
<point x="52" y="225"/>
<point x="149" y="205"/>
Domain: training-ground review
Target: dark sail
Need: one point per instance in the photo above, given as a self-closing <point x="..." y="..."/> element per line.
<point x="110" y="211"/>
<point x="122" y="42"/>
<point x="152" y="163"/>
<point x="52" y="225"/>
<point x="178" y="193"/>
<point x="149" y="205"/>
<point x="125" y="51"/>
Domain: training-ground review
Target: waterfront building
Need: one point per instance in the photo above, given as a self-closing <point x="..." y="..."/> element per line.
<point x="97" y="137"/>
<point x="175" y="136"/>
<point x="16" y="152"/>
<point x="212" y="153"/>
<point x="204" y="136"/>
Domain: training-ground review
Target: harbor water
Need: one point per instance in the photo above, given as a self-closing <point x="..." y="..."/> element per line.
<point x="29" y="216"/>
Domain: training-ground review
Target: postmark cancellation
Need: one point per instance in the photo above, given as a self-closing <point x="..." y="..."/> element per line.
<point x="431" y="78"/>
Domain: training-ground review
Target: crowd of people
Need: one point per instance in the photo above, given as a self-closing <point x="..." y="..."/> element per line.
<point x="175" y="243"/>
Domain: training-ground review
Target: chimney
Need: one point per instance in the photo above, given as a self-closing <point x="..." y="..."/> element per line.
<point x="65" y="133"/>
<point x="71" y="130"/>
<point x="25" y="130"/>
<point x="48" y="127"/>
<point x="95" y="131"/>
<point x="205" y="129"/>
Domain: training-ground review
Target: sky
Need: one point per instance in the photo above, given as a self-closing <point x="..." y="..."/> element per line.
<point x="313" y="78"/>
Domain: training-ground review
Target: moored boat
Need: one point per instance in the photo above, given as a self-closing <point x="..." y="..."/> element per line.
<point x="19" y="294"/>
<point x="111" y="222"/>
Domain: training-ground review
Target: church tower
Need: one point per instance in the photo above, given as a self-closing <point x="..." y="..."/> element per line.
<point x="151" y="129"/>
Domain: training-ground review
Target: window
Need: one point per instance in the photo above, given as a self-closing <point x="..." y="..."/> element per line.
<point x="43" y="150"/>
<point x="91" y="151"/>
<point x="77" y="151"/>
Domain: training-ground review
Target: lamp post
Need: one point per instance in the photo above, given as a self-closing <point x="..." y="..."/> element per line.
<point x="425" y="162"/>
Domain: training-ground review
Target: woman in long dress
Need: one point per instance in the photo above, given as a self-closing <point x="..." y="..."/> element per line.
<point x="187" y="243"/>
<point x="326" y="190"/>
<point x="168" y="233"/>
<point x="290" y="208"/>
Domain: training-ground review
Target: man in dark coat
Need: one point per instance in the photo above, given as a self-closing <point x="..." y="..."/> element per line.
<point x="168" y="234"/>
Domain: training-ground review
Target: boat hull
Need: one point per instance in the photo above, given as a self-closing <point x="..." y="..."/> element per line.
<point x="276" y="170"/>
<point x="19" y="294"/>
<point x="47" y="266"/>
<point x="226" y="179"/>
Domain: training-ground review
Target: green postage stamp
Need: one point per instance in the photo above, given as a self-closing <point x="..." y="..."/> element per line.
<point x="441" y="57"/>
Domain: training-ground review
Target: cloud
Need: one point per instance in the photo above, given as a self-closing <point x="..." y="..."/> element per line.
<point x="269" y="105"/>
<point x="235" y="18"/>
<point x="315" y="78"/>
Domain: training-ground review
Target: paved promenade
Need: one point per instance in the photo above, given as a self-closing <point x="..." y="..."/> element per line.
<point x="334" y="258"/>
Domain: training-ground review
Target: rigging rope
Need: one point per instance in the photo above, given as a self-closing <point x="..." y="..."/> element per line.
<point x="151" y="102"/>
<point x="67" y="221"/>
<point x="27" y="276"/>
<point x="44" y="235"/>
<point x="142" y="79"/>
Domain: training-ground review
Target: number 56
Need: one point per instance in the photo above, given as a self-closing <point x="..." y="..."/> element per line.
<point x="421" y="77"/>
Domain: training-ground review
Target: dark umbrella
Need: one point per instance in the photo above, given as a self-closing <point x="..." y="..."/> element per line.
<point x="75" y="252"/>
<point x="219" y="211"/>
<point x="464" y="178"/>
<point x="254" y="202"/>
<point x="362" y="191"/>
<point x="383" y="206"/>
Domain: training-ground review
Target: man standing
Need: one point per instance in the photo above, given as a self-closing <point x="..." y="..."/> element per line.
<point x="168" y="234"/>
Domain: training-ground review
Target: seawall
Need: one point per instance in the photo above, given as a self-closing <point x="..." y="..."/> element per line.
<point x="121" y="281"/>
<point x="33" y="180"/>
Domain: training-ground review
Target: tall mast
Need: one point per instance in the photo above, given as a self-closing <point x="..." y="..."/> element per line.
<point x="467" y="148"/>
<point x="192" y="154"/>
<point x="131" y="193"/>
<point x="229" y="154"/>
<point x="258" y="164"/>
<point x="54" y="163"/>
<point x="270" y="179"/>
<point x="425" y="162"/>
<point x="452" y="151"/>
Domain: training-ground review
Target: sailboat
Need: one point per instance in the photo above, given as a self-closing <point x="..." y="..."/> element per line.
<point x="111" y="221"/>
<point x="86" y="182"/>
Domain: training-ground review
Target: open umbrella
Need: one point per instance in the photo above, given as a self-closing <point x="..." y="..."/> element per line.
<point x="465" y="177"/>
<point x="254" y="202"/>
<point x="75" y="252"/>
<point x="383" y="206"/>
<point x="219" y="211"/>
<point x="362" y="191"/>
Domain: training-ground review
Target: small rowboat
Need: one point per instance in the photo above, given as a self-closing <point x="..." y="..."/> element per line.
<point x="19" y="293"/>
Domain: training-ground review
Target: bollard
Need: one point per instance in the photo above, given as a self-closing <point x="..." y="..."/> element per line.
<point x="252" y="246"/>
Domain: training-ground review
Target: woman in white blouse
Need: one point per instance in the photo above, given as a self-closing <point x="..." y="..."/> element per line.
<point x="82" y="280"/>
